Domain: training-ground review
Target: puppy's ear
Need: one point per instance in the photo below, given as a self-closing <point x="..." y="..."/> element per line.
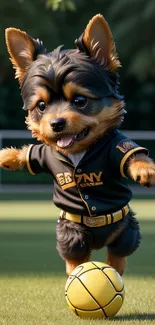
<point x="98" y="43"/>
<point x="23" y="50"/>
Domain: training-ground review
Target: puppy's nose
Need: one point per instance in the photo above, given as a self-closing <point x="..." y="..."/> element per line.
<point x="58" y="124"/>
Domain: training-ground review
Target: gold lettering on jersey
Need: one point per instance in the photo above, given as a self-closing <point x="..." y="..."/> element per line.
<point x="97" y="177"/>
<point x="88" y="178"/>
<point x="66" y="180"/>
<point x="68" y="177"/>
<point x="93" y="179"/>
<point x="61" y="178"/>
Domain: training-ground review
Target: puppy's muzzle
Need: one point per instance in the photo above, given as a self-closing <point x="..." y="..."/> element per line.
<point x="58" y="124"/>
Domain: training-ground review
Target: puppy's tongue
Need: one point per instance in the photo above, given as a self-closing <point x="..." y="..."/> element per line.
<point x="65" y="141"/>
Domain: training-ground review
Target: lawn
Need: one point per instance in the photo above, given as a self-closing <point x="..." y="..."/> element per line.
<point x="32" y="275"/>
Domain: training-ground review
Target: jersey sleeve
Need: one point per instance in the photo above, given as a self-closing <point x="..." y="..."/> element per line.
<point x="36" y="159"/>
<point x="122" y="150"/>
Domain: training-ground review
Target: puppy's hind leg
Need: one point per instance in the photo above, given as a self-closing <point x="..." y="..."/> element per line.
<point x="72" y="264"/>
<point x="117" y="262"/>
<point x="74" y="243"/>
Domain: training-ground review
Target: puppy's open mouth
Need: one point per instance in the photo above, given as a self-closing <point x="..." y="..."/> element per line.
<point x="67" y="141"/>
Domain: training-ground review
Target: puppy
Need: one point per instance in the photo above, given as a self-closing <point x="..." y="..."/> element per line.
<point x="75" y="109"/>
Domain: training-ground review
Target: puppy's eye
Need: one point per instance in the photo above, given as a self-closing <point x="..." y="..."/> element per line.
<point x="41" y="106"/>
<point x="79" y="101"/>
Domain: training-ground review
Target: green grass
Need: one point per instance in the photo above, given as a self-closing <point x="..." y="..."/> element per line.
<point x="32" y="275"/>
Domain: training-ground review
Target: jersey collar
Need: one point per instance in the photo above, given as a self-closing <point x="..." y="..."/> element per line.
<point x="91" y="151"/>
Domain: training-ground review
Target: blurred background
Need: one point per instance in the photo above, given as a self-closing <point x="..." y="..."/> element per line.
<point x="61" y="22"/>
<point x="27" y="214"/>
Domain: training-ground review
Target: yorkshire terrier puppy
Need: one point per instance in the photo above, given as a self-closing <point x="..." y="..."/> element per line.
<point x="74" y="110"/>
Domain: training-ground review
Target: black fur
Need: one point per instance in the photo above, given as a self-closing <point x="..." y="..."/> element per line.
<point x="62" y="66"/>
<point x="76" y="241"/>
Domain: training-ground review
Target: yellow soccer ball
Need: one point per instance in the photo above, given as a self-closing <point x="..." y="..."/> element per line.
<point x="94" y="290"/>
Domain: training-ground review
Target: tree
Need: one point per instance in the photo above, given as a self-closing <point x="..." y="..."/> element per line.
<point x="57" y="22"/>
<point x="132" y="22"/>
<point x="61" y="5"/>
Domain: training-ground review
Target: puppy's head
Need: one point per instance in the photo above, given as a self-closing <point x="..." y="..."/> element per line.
<point x="71" y="96"/>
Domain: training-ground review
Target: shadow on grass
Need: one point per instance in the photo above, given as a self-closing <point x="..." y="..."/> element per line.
<point x="131" y="317"/>
<point x="28" y="247"/>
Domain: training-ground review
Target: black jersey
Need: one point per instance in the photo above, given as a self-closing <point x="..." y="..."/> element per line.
<point x="98" y="184"/>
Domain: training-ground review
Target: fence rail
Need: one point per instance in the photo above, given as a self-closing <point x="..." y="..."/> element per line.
<point x="24" y="134"/>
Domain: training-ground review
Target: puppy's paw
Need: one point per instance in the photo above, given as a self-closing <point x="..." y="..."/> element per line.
<point x="142" y="171"/>
<point x="9" y="159"/>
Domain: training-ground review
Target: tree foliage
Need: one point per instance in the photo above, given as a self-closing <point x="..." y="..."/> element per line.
<point x="133" y="25"/>
<point x="61" y="5"/>
<point x="61" y="22"/>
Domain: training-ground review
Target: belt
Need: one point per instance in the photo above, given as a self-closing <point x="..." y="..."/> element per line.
<point x="99" y="221"/>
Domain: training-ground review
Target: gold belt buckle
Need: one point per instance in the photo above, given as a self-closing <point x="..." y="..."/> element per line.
<point x="95" y="221"/>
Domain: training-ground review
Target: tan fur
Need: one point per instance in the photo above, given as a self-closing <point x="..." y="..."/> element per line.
<point x="42" y="94"/>
<point x="22" y="156"/>
<point x="12" y="158"/>
<point x="110" y="117"/>
<point x="117" y="262"/>
<point x="98" y="39"/>
<point x="142" y="169"/>
<point x="71" y="265"/>
<point x="33" y="126"/>
<point x="21" y="50"/>
<point x="98" y="125"/>
<point x="71" y="89"/>
<point x="75" y="124"/>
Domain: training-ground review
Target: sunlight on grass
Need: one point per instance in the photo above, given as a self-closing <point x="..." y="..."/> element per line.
<point x="40" y="300"/>
<point x="28" y="210"/>
<point x="32" y="275"/>
<point x="145" y="209"/>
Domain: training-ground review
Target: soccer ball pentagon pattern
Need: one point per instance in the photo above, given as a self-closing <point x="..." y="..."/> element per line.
<point x="94" y="290"/>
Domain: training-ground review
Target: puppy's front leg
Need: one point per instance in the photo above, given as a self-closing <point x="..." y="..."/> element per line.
<point x="12" y="158"/>
<point x="141" y="169"/>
